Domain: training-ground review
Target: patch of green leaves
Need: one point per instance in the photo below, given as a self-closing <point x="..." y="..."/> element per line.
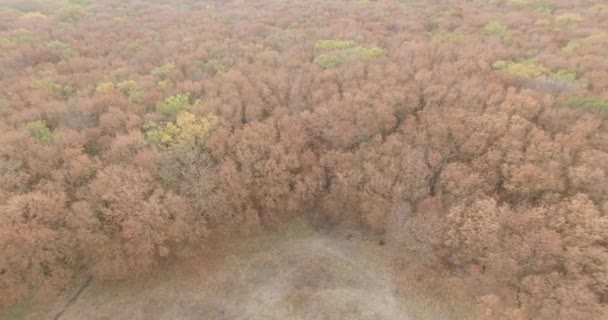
<point x="571" y="47"/>
<point x="81" y="3"/>
<point x="363" y="52"/>
<point x="437" y="36"/>
<point x="163" y="70"/>
<point x="527" y="68"/>
<point x="213" y="66"/>
<point x="328" y="60"/>
<point x="104" y="86"/>
<point x="174" y="104"/>
<point x="544" y="8"/>
<point x="567" y="18"/>
<point x="519" y="4"/>
<point x="130" y="89"/>
<point x="337" y="57"/>
<point x="46" y="82"/>
<point x="39" y="130"/>
<point x="186" y="129"/>
<point x="17" y="37"/>
<point x="587" y="102"/>
<point x="329" y="44"/>
<point x="601" y="9"/>
<point x="65" y="49"/>
<point x="3" y="105"/>
<point x="495" y="28"/>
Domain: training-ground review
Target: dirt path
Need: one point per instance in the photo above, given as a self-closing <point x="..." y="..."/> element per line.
<point x="305" y="276"/>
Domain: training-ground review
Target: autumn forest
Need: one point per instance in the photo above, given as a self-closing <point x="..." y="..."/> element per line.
<point x="471" y="135"/>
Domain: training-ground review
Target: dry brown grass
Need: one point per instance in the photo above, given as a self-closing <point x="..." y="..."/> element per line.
<point x="297" y="273"/>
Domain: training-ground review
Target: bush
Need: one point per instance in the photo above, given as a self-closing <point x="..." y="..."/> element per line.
<point x="39" y="130"/>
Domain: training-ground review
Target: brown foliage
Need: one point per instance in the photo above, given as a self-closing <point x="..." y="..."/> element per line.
<point x="476" y="176"/>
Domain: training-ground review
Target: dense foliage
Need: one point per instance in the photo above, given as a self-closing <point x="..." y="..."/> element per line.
<point x="471" y="134"/>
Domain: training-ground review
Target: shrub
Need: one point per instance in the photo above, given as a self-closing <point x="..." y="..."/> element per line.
<point x="334" y="44"/>
<point x="39" y="130"/>
<point x="174" y="104"/>
<point x="494" y="28"/>
<point x="186" y="129"/>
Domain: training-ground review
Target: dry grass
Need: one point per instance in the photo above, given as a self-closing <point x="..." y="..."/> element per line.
<point x="297" y="273"/>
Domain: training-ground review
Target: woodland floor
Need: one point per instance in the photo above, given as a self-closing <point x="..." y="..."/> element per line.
<point x="294" y="274"/>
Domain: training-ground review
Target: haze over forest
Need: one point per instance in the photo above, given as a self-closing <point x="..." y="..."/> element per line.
<point x="468" y="138"/>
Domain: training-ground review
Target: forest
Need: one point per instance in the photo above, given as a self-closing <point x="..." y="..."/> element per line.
<point x="472" y="135"/>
